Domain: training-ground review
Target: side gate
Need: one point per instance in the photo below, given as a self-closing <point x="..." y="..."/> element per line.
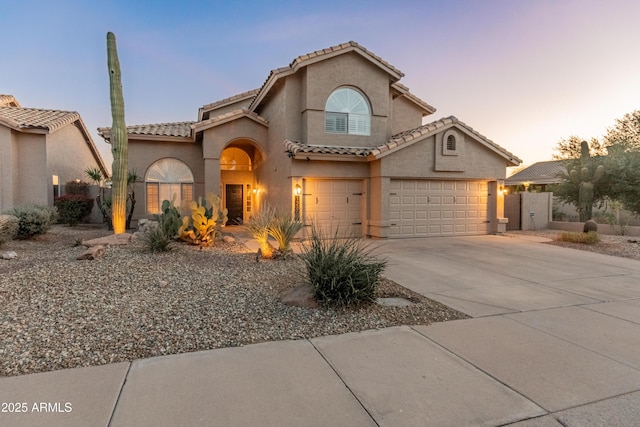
<point x="513" y="211"/>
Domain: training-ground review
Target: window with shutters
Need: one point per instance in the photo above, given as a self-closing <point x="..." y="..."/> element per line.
<point x="347" y="111"/>
<point x="165" y="179"/>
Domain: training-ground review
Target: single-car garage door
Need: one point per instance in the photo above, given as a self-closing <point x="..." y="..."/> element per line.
<point x="425" y="208"/>
<point x="333" y="205"/>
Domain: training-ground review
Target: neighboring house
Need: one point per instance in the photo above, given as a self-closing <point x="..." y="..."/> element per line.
<point x="538" y="175"/>
<point x="41" y="150"/>
<point x="336" y="138"/>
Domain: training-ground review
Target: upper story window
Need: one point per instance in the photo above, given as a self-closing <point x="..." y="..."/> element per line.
<point x="166" y="179"/>
<point x="347" y="111"/>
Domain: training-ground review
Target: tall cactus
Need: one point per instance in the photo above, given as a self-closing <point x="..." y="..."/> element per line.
<point x="585" y="180"/>
<point x="119" y="142"/>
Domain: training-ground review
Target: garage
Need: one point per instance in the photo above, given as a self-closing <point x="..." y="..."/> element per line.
<point x="333" y="205"/>
<point x="431" y="208"/>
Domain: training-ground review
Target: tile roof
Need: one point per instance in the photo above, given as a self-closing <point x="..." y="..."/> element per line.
<point x="227" y="117"/>
<point x="8" y="101"/>
<point x="397" y="142"/>
<point x="25" y="119"/>
<point x="37" y="119"/>
<point x="319" y="55"/>
<point x="295" y="147"/>
<point x="230" y="100"/>
<point x="175" y="129"/>
<point x="539" y="173"/>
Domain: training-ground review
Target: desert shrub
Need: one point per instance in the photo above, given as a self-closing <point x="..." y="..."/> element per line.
<point x="588" y="238"/>
<point x="33" y="220"/>
<point x="258" y="225"/>
<point x="8" y="228"/>
<point x="342" y="271"/>
<point x="72" y="208"/>
<point x="283" y="229"/>
<point x="156" y="239"/>
<point x="79" y="188"/>
<point x="165" y="229"/>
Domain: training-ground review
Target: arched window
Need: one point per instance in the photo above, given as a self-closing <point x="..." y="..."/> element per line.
<point x="166" y="178"/>
<point x="235" y="159"/>
<point x="347" y="111"/>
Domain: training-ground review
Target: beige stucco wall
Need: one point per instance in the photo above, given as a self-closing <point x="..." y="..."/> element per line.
<point x="404" y="115"/>
<point x="33" y="184"/>
<point x="419" y="161"/>
<point x="7" y="173"/>
<point x="68" y="155"/>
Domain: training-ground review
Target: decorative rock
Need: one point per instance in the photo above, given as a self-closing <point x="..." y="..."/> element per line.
<point x="299" y="296"/>
<point x="112" y="240"/>
<point x="228" y="239"/>
<point x="8" y="255"/>
<point x="92" y="252"/>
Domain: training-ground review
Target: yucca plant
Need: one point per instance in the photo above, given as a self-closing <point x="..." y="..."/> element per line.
<point x="342" y="270"/>
<point x="258" y="225"/>
<point x="283" y="229"/>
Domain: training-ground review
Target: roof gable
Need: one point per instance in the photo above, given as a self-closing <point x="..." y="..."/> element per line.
<point x="35" y="119"/>
<point x="397" y="142"/>
<point x="48" y="121"/>
<point x="322" y="55"/>
<point x="229" y="117"/>
<point x="244" y="96"/>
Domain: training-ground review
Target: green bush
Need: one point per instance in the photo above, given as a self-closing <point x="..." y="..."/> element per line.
<point x="33" y="220"/>
<point x="8" y="228"/>
<point x="342" y="271"/>
<point x="283" y="229"/>
<point x="156" y="239"/>
<point x="589" y="238"/>
<point x="72" y="208"/>
<point x="80" y="188"/>
<point x="158" y="236"/>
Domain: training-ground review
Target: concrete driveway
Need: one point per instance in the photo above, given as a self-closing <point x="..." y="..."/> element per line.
<point x="554" y="341"/>
<point x="489" y="275"/>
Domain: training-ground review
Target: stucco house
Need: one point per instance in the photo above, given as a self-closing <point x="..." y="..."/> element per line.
<point x="335" y="137"/>
<point x="41" y="150"/>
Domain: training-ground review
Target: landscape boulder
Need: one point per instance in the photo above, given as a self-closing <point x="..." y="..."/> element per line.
<point x="299" y="296"/>
<point x="111" y="240"/>
<point x="92" y="252"/>
<point x="8" y="255"/>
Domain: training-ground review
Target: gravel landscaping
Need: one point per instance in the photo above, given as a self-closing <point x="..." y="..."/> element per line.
<point x="59" y="312"/>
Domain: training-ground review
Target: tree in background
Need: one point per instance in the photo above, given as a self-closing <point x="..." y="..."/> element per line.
<point x="570" y="148"/>
<point x="625" y="135"/>
<point x="119" y="142"/>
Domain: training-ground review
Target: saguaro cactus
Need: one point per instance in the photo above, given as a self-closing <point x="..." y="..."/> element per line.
<point x="119" y="142"/>
<point x="585" y="180"/>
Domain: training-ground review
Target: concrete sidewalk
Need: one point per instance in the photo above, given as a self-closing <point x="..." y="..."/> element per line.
<point x="554" y="342"/>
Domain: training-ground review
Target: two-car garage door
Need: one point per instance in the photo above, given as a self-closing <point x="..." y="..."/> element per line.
<point x="425" y="208"/>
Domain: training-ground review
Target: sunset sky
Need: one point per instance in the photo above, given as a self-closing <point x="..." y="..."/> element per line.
<point x="523" y="73"/>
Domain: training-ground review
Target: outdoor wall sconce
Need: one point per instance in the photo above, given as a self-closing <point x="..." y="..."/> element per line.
<point x="296" y="202"/>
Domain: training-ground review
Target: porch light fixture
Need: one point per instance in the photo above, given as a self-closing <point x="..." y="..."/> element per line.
<point x="296" y="202"/>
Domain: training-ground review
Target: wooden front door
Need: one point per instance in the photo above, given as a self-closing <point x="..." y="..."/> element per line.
<point x="234" y="203"/>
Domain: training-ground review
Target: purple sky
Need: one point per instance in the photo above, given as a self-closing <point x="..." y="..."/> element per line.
<point x="523" y="73"/>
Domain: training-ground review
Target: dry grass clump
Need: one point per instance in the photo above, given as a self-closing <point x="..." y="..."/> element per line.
<point x="590" y="238"/>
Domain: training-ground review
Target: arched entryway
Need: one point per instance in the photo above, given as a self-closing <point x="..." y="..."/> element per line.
<point x="238" y="163"/>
